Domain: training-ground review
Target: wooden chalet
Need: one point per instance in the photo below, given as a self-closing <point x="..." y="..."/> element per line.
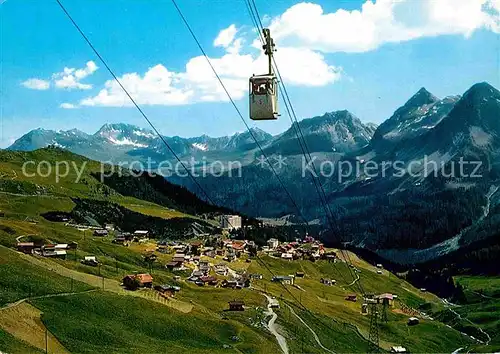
<point x="236" y="305"/>
<point x="141" y="280"/>
<point x="352" y="297"/>
<point x="209" y="279"/>
<point x="25" y="247"/>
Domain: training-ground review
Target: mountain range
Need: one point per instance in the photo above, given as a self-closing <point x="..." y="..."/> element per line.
<point x="119" y="141"/>
<point x="335" y="131"/>
<point x="424" y="213"/>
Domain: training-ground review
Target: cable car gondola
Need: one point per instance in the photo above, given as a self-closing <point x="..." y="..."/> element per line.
<point x="263" y="89"/>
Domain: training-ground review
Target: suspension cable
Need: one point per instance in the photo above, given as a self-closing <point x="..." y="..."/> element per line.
<point x="136" y="105"/>
<point x="254" y="14"/>
<point x="241" y="116"/>
<point x="239" y="112"/>
<point x="205" y="194"/>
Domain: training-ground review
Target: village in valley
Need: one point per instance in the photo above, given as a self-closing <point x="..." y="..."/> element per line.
<point x="216" y="261"/>
<point x="241" y="283"/>
<point x="207" y="260"/>
<point x="280" y="288"/>
<point x="267" y="290"/>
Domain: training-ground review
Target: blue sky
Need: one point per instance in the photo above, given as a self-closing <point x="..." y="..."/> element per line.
<point x="362" y="56"/>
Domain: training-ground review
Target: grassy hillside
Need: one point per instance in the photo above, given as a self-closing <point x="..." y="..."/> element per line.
<point x="10" y="344"/>
<point x="53" y="179"/>
<point x="480" y="309"/>
<point x="84" y="308"/>
<point x="19" y="279"/>
<point x="338" y="316"/>
<point x="55" y="172"/>
<point x="103" y="322"/>
<point x="102" y="212"/>
<point x="108" y="316"/>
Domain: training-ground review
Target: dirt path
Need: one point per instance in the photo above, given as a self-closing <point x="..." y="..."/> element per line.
<point x="272" y="326"/>
<point x="354" y="281"/>
<point x="24" y="322"/>
<point x="474" y="325"/>
<point x="483" y="296"/>
<point x="316" y="338"/>
<point x="232" y="273"/>
<point x="449" y="306"/>
<point x="19" y="302"/>
<point x="18" y="238"/>
<point x="32" y="195"/>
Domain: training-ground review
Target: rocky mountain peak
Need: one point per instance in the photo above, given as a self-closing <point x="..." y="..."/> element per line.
<point x="422" y="97"/>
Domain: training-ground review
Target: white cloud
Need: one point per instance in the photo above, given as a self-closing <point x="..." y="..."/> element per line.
<point x="70" y="78"/>
<point x="302" y="33"/>
<point x="197" y="83"/>
<point x="70" y="82"/>
<point x="383" y="21"/>
<point x="308" y="68"/>
<point x="158" y="86"/>
<point x="36" y="84"/>
<point x="67" y="106"/>
<point x="225" y="37"/>
<point x="236" y="46"/>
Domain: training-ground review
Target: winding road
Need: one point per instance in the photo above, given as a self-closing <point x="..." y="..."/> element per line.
<point x="449" y="306"/>
<point x="271" y="325"/>
<point x="354" y="281"/>
<point x="474" y="325"/>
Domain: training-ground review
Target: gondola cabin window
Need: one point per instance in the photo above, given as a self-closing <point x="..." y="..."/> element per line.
<point x="262" y="88"/>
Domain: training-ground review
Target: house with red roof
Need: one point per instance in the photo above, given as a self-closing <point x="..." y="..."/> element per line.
<point x="133" y="281"/>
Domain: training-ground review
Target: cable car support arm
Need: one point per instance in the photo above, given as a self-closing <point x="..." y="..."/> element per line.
<point x="269" y="48"/>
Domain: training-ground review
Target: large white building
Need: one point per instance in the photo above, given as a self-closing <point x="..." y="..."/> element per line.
<point x="231" y="222"/>
<point x="273" y="243"/>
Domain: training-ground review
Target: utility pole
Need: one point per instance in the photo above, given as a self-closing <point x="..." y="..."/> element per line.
<point x="385" y="305"/>
<point x="373" y="339"/>
<point x="269" y="48"/>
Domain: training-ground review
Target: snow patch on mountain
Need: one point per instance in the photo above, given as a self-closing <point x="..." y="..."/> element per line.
<point x="109" y="132"/>
<point x="125" y="141"/>
<point x="144" y="134"/>
<point x="56" y="144"/>
<point x="202" y="147"/>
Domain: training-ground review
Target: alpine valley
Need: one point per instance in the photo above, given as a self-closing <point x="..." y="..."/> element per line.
<point x="431" y="211"/>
